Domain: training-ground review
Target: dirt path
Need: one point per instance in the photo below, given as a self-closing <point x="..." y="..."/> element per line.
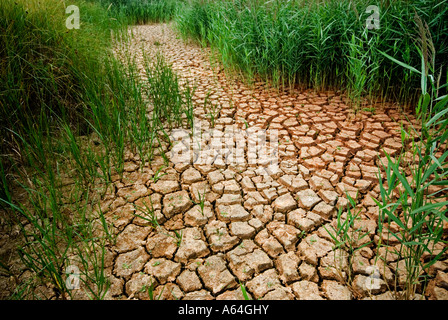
<point x="264" y="230"/>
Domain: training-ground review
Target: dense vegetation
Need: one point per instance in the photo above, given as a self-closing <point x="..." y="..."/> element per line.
<point x="70" y="109"/>
<point x="142" y="11"/>
<point x="322" y="43"/>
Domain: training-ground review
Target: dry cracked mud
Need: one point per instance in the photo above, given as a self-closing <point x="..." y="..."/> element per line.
<point x="264" y="230"/>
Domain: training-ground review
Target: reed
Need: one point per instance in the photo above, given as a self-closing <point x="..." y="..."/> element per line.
<point x="320" y="44"/>
<point x="142" y="11"/>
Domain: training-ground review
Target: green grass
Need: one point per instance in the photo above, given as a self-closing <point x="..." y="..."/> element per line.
<point x="70" y="110"/>
<point x="142" y="11"/>
<point x="413" y="191"/>
<point x="320" y="44"/>
<point x="347" y="237"/>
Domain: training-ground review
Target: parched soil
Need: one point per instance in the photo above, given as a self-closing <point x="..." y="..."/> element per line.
<point x="261" y="225"/>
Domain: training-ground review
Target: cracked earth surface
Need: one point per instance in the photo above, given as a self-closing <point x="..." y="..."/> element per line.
<point x="266" y="231"/>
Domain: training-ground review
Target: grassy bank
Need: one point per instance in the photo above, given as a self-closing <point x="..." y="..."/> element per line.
<point x="321" y="44"/>
<point x="70" y="112"/>
<point x="142" y="11"/>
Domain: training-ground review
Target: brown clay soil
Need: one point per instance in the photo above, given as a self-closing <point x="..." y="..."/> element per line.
<point x="264" y="230"/>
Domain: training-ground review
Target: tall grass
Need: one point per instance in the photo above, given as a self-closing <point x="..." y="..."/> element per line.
<point x="70" y="110"/>
<point x="319" y="43"/>
<point x="44" y="67"/>
<point x="142" y="11"/>
<point x="413" y="202"/>
<point x="193" y="20"/>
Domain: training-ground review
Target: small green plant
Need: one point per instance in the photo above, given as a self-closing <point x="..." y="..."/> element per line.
<point x="179" y="236"/>
<point x="245" y="294"/>
<point x="220" y="233"/>
<point x="211" y="110"/>
<point x="201" y="202"/>
<point x="371" y="110"/>
<point x="150" y="290"/>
